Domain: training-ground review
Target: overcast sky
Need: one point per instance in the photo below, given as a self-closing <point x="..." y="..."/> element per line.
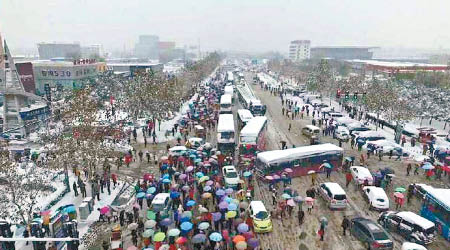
<point x="246" y="25"/>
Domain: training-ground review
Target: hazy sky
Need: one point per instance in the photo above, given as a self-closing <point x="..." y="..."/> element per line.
<point x="247" y="25"/>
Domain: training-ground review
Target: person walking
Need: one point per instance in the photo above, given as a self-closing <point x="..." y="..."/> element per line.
<point x="345" y="224"/>
<point x="348" y="178"/>
<point x="321" y="231"/>
<point x="416" y="170"/>
<point x="75" y="190"/>
<point x="274" y="198"/>
<point x="301" y="216"/>
<point x="83" y="189"/>
<point x="408" y="169"/>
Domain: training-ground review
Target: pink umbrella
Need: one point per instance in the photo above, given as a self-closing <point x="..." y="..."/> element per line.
<point x="189" y="169"/>
<point x="309" y="199"/>
<point x="399" y="195"/>
<point x="291" y="203"/>
<point x="268" y="177"/>
<point x="132" y="248"/>
<point x="182" y="176"/>
<point x="288" y="170"/>
<point x="104" y="210"/>
<point x="209" y="183"/>
<point x="276" y="177"/>
<point x="148" y="177"/>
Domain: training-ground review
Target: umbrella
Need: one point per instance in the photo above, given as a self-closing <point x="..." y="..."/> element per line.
<point x="229" y="191"/>
<point x="133" y="226"/>
<point x="215" y="236"/>
<point x="198" y="238"/>
<point x="203" y="210"/>
<point x="286" y="196"/>
<point x="186" y="214"/>
<point x="232" y="206"/>
<point x="291" y="203"/>
<point x="209" y="183"/>
<point x="173" y="232"/>
<point x="241" y="245"/>
<point x="207" y="188"/>
<point x="427" y="166"/>
<point x="399" y="195"/>
<point x="189" y="169"/>
<point x="166" y="180"/>
<point x="248" y="235"/>
<point x="166" y="176"/>
<point x="140" y="195"/>
<point x="151" y="215"/>
<point x="165" y="222"/>
<point x="203" y="225"/>
<point x="235" y="201"/>
<point x="243" y="204"/>
<point x="223" y="205"/>
<point x="185" y="188"/>
<point x="174" y="195"/>
<point x="148" y="233"/>
<point x="400" y="189"/>
<point x="231" y="214"/>
<point x="132" y="248"/>
<point x="276" y="177"/>
<point x="238" y="238"/>
<point x="228" y="199"/>
<point x="237" y="221"/>
<point x="186" y="226"/>
<point x="182" y="176"/>
<point x="159" y="236"/>
<point x="247" y="174"/>
<point x="220" y="192"/>
<point x="242" y="228"/>
<point x="268" y="177"/>
<point x="199" y="174"/>
<point x="311" y="172"/>
<point x="298" y="199"/>
<point x="181" y="240"/>
<point x="323" y="220"/>
<point x="309" y="199"/>
<point x="150" y="224"/>
<point x="288" y="170"/>
<point x="104" y="210"/>
<point x="327" y="165"/>
<point x="190" y="203"/>
<point x="151" y="190"/>
<point x="216" y="216"/>
<point x="253" y="242"/>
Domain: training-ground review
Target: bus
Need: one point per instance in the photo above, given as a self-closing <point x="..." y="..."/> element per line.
<point x="230" y="77"/>
<point x="226" y="104"/>
<point x="249" y="100"/>
<point x="252" y="137"/>
<point x="225" y="133"/>
<point x="436" y="208"/>
<point x="228" y="90"/>
<point x="301" y="160"/>
<point x="244" y="115"/>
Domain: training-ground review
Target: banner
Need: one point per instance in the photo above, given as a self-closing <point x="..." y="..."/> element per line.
<point x="25" y="71"/>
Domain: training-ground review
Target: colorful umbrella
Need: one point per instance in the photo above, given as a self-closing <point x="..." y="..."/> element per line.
<point x="104" y="210"/>
<point x="198" y="238"/>
<point x="199" y="174"/>
<point x="215" y="236"/>
<point x="182" y="176"/>
<point x="189" y="169"/>
<point x="150" y="224"/>
<point x="400" y="189"/>
<point x="186" y="226"/>
<point x="223" y="205"/>
<point x="209" y="183"/>
<point x="311" y="172"/>
<point x="207" y="188"/>
<point x="247" y="174"/>
<point x="229" y="191"/>
<point x="151" y="190"/>
<point x="140" y="195"/>
<point x="216" y="216"/>
<point x="309" y="199"/>
<point x="165" y="222"/>
<point x="242" y="228"/>
<point x="399" y="195"/>
<point x="151" y="215"/>
<point x="298" y="199"/>
<point x="253" y="242"/>
<point x="181" y="240"/>
<point x="276" y="177"/>
<point x="133" y="226"/>
<point x="291" y="203"/>
<point x="327" y="165"/>
<point x="238" y="238"/>
<point x="203" y="210"/>
<point x="220" y="192"/>
<point x="286" y="196"/>
<point x="232" y="207"/>
<point x="166" y="181"/>
<point x="190" y="203"/>
<point x="186" y="214"/>
<point x="427" y="166"/>
<point x="174" y="195"/>
<point x="148" y="233"/>
<point x="268" y="177"/>
<point x="203" y="225"/>
<point x="231" y="214"/>
<point x="173" y="232"/>
<point x="241" y="245"/>
<point x="288" y="170"/>
<point x="159" y="236"/>
<point x="185" y="188"/>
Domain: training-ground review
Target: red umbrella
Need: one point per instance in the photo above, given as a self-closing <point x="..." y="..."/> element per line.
<point x="399" y="195"/>
<point x="288" y="170"/>
<point x="181" y="240"/>
<point x="104" y="210"/>
<point x="238" y="238"/>
<point x="446" y="168"/>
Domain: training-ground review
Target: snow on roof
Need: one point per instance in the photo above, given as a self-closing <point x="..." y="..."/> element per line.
<point x="228" y="89"/>
<point x="415" y="219"/>
<point x="257" y="206"/>
<point x="245" y="114"/>
<point x="274" y="156"/>
<point x="334" y="187"/>
<point x="395" y="64"/>
<point x="345" y="120"/>
<point x="377" y="191"/>
<point x="440" y="194"/>
<point x="226" y="123"/>
<point x="178" y="148"/>
<point x="224" y="99"/>
<point x="370" y="134"/>
<point x="254" y="126"/>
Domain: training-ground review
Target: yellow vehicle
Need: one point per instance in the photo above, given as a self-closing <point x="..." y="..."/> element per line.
<point x="261" y="218"/>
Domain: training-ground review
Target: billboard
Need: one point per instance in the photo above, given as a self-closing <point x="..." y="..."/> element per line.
<point x="25" y="71"/>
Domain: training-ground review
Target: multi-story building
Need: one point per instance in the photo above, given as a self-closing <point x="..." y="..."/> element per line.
<point x="299" y="50"/>
<point x="147" y="47"/>
<point x="59" y="50"/>
<point x="342" y="53"/>
<point x="92" y="51"/>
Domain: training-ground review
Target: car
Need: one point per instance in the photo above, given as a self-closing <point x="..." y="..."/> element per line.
<point x="370" y="233"/>
<point x="261" y="218"/>
<point x="360" y="174"/>
<point x="386" y="145"/>
<point x="342" y="133"/>
<point x="334" y="195"/>
<point x="161" y="202"/>
<point x="230" y="176"/>
<point x="412" y="246"/>
<point x="195" y="142"/>
<point x="411" y="226"/>
<point x="376" y="197"/>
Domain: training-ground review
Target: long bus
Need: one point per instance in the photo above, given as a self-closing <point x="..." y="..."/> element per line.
<point x="228" y="90"/>
<point x="252" y="138"/>
<point x="301" y="160"/>
<point x="244" y="116"/>
<point x="226" y="133"/>
<point x="226" y="104"/>
<point x="249" y="100"/>
<point x="436" y="208"/>
<point x="230" y="77"/>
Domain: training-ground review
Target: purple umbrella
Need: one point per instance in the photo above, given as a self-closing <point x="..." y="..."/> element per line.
<point x="276" y="177"/>
<point x="209" y="183"/>
<point x="223" y="205"/>
<point x="242" y="228"/>
<point x="189" y="169"/>
<point x="253" y="242"/>
<point x="198" y="238"/>
<point x="229" y="191"/>
<point x="207" y="188"/>
<point x="216" y="216"/>
<point x="220" y="192"/>
<point x="182" y="176"/>
<point x="185" y="188"/>
<point x="165" y="222"/>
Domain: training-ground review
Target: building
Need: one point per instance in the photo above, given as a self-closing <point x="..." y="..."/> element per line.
<point x="392" y="68"/>
<point x="59" y="50"/>
<point x="147" y="47"/>
<point x="133" y="68"/>
<point x="299" y="50"/>
<point x="166" y="46"/>
<point x="342" y="53"/>
<point x="63" y="74"/>
<point x="92" y="51"/>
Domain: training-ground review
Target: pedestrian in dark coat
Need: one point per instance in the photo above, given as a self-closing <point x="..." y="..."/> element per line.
<point x="75" y="190"/>
<point x="301" y="216"/>
<point x="345" y="224"/>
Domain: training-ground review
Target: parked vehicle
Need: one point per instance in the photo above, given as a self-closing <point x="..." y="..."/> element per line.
<point x="342" y="133"/>
<point x="371" y="234"/>
<point x="230" y="176"/>
<point x="413" y="227"/>
<point x="195" y="142"/>
<point x="335" y="115"/>
<point x="161" y="202"/>
<point x="412" y="246"/>
<point x="376" y="197"/>
<point x="334" y="195"/>
<point x="360" y="174"/>
<point x="366" y="136"/>
<point x="310" y="130"/>
<point x="261" y="218"/>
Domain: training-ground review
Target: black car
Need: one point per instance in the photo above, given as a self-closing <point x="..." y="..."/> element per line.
<point x="371" y="234"/>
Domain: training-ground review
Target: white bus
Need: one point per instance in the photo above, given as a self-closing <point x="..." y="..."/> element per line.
<point x="230" y="77"/>
<point x="252" y="137"/>
<point x="225" y="133"/>
<point x="228" y="90"/>
<point x="226" y="104"/>
<point x="244" y="115"/>
<point x="249" y="100"/>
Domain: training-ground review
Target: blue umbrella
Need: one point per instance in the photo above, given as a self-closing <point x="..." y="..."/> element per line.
<point x="427" y="166"/>
<point x="140" y="195"/>
<point x="232" y="207"/>
<point x="174" y="195"/>
<point x="247" y="174"/>
<point x="199" y="174"/>
<point x="207" y="188"/>
<point x="197" y="160"/>
<point x="220" y="192"/>
<point x="242" y="228"/>
<point x="165" y="222"/>
<point x="192" y="156"/>
<point x="229" y="191"/>
<point x="327" y="165"/>
<point x="228" y="199"/>
<point x="215" y="236"/>
<point x="166" y="180"/>
<point x="190" y="203"/>
<point x="186" y="214"/>
<point x="151" y="190"/>
<point x="186" y="226"/>
<point x="166" y="176"/>
<point x="70" y="209"/>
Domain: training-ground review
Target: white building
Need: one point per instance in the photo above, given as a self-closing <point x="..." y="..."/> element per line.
<point x="299" y="50"/>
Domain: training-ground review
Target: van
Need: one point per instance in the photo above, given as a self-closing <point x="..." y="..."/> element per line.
<point x="334" y="195"/>
<point x="261" y="218"/>
<point x="413" y="227"/>
<point x="335" y="115"/>
<point x="310" y="130"/>
<point x="161" y="202"/>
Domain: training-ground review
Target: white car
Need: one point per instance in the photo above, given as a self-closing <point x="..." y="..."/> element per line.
<point x="342" y="133"/>
<point x="230" y="176"/>
<point x="376" y="197"/>
<point x="412" y="246"/>
<point x="360" y="174"/>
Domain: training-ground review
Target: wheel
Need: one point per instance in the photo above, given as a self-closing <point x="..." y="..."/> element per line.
<point x="368" y="246"/>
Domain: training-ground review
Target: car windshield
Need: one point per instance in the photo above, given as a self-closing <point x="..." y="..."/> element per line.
<point x="380" y="236"/>
<point x="340" y="197"/>
<point x="231" y="174"/>
<point x="262" y="215"/>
